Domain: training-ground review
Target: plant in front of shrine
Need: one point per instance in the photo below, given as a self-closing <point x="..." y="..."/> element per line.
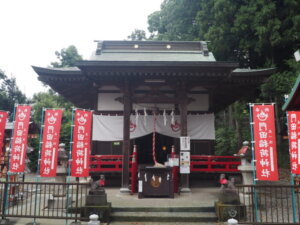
<point x="33" y="155"/>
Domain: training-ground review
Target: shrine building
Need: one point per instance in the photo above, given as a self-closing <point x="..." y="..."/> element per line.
<point x="137" y="88"/>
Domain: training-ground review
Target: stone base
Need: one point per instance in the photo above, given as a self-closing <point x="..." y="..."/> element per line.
<point x="75" y="223"/>
<point x="247" y="174"/>
<point x="125" y="191"/>
<point x="185" y="190"/>
<point x="102" y="211"/>
<point x="4" y="221"/>
<point x="95" y="200"/>
<point x="59" y="203"/>
<point x="83" y="180"/>
<point x="60" y="194"/>
<point x="226" y="211"/>
<point x="246" y="199"/>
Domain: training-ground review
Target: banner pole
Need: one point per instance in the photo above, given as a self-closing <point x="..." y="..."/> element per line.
<point x="70" y="160"/>
<point x="292" y="177"/>
<point x="6" y="188"/>
<point x="37" y="178"/>
<point x="253" y="163"/>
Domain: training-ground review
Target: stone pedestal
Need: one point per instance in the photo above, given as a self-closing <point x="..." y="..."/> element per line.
<point x="96" y="203"/>
<point x="247" y="174"/>
<point x="227" y="211"/>
<point x="61" y="191"/>
<point x="59" y="198"/>
<point x="83" y="180"/>
<point x="246" y="171"/>
<point x="125" y="190"/>
<point x="59" y="202"/>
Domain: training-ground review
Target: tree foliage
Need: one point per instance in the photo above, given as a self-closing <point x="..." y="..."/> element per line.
<point x="137" y="35"/>
<point x="43" y="100"/>
<point x="67" y="57"/>
<point x="10" y="94"/>
<point x="175" y="21"/>
<point x="255" y="33"/>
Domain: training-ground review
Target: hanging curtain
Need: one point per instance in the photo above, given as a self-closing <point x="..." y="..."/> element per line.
<point x="110" y="128"/>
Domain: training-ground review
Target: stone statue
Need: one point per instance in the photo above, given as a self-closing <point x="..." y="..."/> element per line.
<point x="96" y="202"/>
<point x="231" y="183"/>
<point x="96" y="187"/>
<point x="228" y="193"/>
<point x="223" y="181"/>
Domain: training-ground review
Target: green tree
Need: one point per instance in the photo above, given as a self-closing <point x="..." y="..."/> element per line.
<point x="44" y="100"/>
<point x="10" y="94"/>
<point x="137" y="35"/>
<point x="67" y="57"/>
<point x="175" y="21"/>
<point x="256" y="33"/>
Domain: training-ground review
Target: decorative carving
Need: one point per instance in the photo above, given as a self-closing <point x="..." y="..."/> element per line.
<point x="155" y="181"/>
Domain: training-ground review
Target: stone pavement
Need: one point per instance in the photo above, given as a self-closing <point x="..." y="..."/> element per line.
<point x="202" y="195"/>
<point x="198" y="197"/>
<point x="63" y="222"/>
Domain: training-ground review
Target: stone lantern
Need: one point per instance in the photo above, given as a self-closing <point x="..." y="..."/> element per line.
<point x="246" y="168"/>
<point x="59" y="197"/>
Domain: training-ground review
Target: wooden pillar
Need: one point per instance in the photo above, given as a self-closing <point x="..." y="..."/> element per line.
<point x="126" y="138"/>
<point x="185" y="184"/>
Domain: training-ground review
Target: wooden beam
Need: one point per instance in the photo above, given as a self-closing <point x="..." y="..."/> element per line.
<point x="182" y="96"/>
<point x="126" y="137"/>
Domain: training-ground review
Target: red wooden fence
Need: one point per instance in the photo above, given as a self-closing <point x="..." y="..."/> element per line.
<point x="199" y="163"/>
<point x="210" y="163"/>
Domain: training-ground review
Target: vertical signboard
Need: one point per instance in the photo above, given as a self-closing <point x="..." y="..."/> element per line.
<point x="265" y="142"/>
<point x="51" y="133"/>
<point x="81" y="143"/>
<point x="185" y="160"/>
<point x="3" y="117"/>
<point x="185" y="143"/>
<point x="19" y="142"/>
<point x="294" y="139"/>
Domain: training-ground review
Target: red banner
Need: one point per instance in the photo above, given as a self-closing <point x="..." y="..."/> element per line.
<point x="51" y="131"/>
<point x="19" y="143"/>
<point x="265" y="142"/>
<point x="81" y="143"/>
<point x="3" y="117"/>
<point x="294" y="138"/>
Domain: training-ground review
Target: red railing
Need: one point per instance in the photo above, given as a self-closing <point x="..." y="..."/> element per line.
<point x="199" y="163"/>
<point x="210" y="163"/>
<point x="113" y="163"/>
<point x="107" y="163"/>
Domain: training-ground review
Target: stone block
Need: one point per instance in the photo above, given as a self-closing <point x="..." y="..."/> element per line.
<point x="229" y="196"/>
<point x="4" y="221"/>
<point x="97" y="192"/>
<point x="102" y="211"/>
<point x="227" y="211"/>
<point x="96" y="200"/>
<point x="59" y="203"/>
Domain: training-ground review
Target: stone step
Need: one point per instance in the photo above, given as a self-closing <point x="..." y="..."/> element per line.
<point x="163" y="209"/>
<point x="164" y="216"/>
<point x="159" y="223"/>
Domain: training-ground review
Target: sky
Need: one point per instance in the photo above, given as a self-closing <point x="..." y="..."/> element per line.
<point x="32" y="30"/>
